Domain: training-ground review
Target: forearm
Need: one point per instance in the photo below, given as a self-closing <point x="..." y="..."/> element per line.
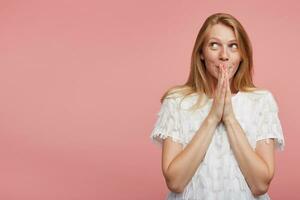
<point x="252" y="166"/>
<point x="184" y="166"/>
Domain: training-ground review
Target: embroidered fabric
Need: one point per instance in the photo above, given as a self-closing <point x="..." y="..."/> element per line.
<point x="269" y="125"/>
<point x="168" y="123"/>
<point x="219" y="176"/>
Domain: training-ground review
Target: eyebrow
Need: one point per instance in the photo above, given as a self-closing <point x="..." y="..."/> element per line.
<point x="233" y="40"/>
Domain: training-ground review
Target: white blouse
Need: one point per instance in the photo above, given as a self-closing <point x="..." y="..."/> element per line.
<point x="218" y="175"/>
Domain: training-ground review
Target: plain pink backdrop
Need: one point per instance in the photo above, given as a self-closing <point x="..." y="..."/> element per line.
<point x="81" y="81"/>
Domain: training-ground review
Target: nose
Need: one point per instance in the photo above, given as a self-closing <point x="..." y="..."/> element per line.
<point x="224" y="55"/>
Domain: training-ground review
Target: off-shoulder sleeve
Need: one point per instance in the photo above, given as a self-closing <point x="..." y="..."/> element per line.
<point x="269" y="125"/>
<point x="168" y="123"/>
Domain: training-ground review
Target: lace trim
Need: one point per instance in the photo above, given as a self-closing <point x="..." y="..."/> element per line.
<point x="168" y="123"/>
<point x="269" y="125"/>
<point x="157" y="139"/>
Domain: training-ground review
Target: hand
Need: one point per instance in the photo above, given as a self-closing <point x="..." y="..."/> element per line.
<point x="228" y="110"/>
<point x="217" y="109"/>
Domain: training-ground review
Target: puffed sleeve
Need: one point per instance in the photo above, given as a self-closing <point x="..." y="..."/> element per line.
<point x="168" y="123"/>
<point x="269" y="125"/>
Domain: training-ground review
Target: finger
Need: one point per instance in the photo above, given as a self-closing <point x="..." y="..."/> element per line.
<point x="228" y="85"/>
<point x="228" y="82"/>
<point x="227" y="88"/>
<point x="223" y="91"/>
<point x="219" y="93"/>
<point x="219" y="79"/>
<point x="228" y="93"/>
<point x="218" y="87"/>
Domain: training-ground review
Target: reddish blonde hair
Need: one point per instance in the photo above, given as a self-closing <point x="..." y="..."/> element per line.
<point x="197" y="82"/>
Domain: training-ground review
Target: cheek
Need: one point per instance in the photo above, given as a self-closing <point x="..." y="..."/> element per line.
<point x="233" y="70"/>
<point x="210" y="55"/>
<point x="210" y="62"/>
<point x="213" y="71"/>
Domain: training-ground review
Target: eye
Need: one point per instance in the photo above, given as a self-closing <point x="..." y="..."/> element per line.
<point x="234" y="45"/>
<point x="213" y="45"/>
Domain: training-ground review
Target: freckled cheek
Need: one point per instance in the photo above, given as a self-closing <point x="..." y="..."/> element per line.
<point x="211" y="55"/>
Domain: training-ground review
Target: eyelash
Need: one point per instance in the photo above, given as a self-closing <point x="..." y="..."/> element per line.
<point x="211" y="44"/>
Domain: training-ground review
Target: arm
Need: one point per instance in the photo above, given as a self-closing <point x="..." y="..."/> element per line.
<point x="179" y="169"/>
<point x="257" y="166"/>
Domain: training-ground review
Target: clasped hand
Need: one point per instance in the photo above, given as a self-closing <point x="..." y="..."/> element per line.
<point x="221" y="109"/>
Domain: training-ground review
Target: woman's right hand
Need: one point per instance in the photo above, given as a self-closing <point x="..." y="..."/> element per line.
<point x="216" y="111"/>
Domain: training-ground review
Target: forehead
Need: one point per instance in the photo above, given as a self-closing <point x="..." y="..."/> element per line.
<point x="221" y="32"/>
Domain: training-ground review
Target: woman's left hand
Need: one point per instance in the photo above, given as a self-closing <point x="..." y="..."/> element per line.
<point x="228" y="110"/>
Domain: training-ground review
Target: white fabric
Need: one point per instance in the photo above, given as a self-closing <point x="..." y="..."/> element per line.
<point x="219" y="176"/>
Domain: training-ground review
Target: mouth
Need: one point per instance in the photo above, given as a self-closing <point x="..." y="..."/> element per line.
<point x="229" y="67"/>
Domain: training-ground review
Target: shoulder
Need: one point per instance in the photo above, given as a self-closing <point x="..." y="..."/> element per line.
<point x="180" y="101"/>
<point x="171" y="102"/>
<point x="266" y="95"/>
<point x="260" y="99"/>
<point x="265" y="99"/>
<point x="259" y="94"/>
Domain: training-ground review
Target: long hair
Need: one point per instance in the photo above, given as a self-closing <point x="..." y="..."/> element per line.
<point x="197" y="82"/>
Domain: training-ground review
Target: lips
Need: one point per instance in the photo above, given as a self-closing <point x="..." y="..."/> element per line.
<point x="230" y="66"/>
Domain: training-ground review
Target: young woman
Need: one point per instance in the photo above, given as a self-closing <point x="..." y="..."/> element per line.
<point x="218" y="132"/>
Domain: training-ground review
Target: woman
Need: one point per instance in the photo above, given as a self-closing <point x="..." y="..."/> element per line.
<point x="218" y="132"/>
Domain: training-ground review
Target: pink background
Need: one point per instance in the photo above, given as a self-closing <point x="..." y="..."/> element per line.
<point x="81" y="81"/>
